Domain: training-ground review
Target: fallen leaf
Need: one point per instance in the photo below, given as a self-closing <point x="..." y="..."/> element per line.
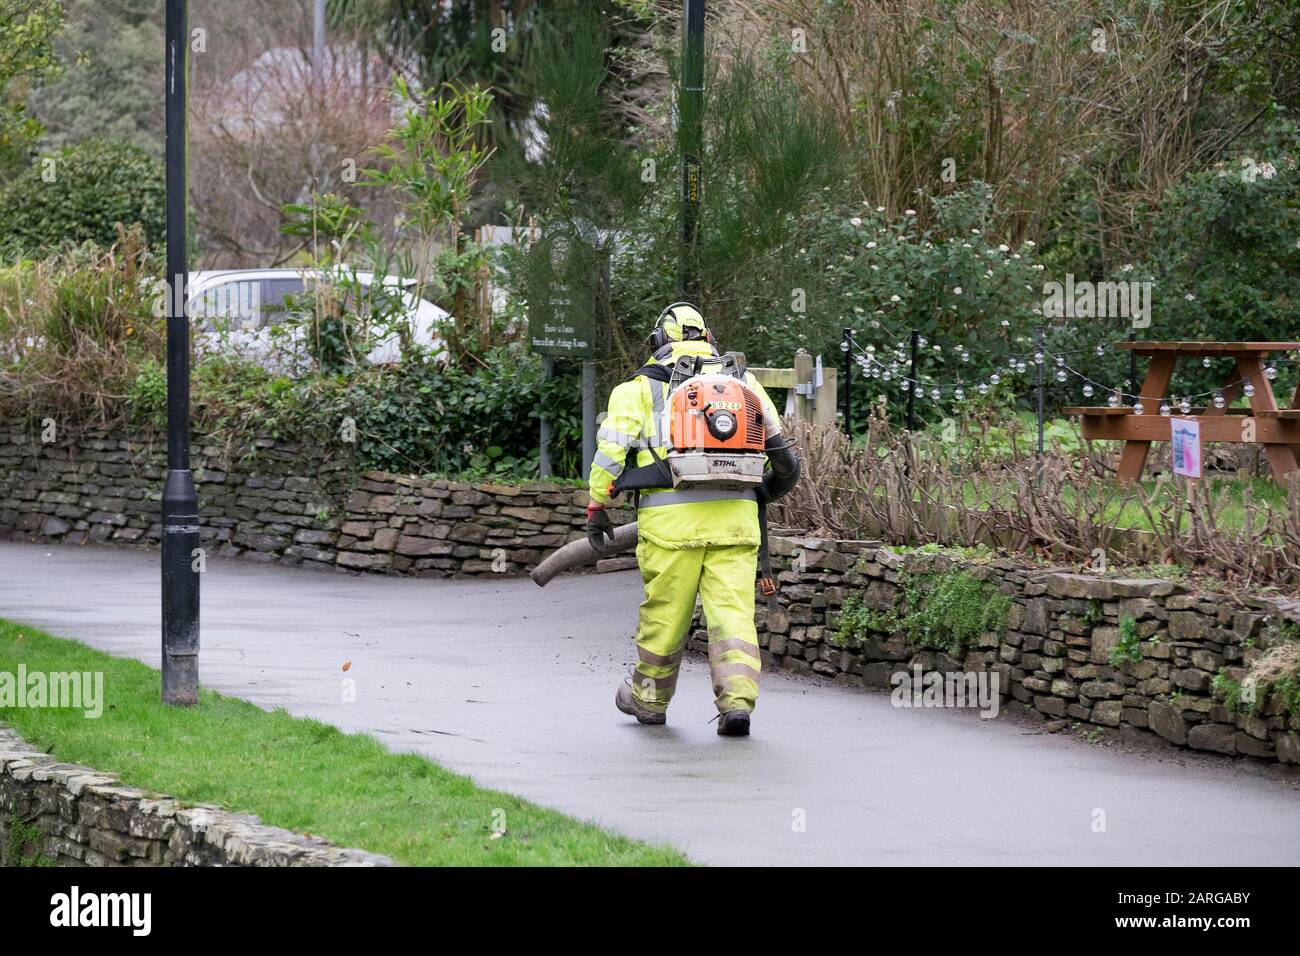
<point x="347" y="665"/>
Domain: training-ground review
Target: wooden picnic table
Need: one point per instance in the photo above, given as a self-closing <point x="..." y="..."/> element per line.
<point x="1277" y="429"/>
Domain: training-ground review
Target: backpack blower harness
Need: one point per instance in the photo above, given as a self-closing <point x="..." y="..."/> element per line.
<point x="717" y="439"/>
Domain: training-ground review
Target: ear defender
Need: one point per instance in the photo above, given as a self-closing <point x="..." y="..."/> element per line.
<point x="661" y="336"/>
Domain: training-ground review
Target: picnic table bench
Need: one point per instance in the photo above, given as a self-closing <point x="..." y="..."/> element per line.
<point x="1276" y="428"/>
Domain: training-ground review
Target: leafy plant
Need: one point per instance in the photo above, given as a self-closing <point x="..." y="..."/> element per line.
<point x="27" y="32"/>
<point x="946" y="611"/>
<point x="430" y="165"/>
<point x="1128" y="648"/>
<point x="26" y="844"/>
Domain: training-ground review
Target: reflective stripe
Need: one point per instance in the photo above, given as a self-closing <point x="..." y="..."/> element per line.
<point x="658" y="660"/>
<point x="696" y="495"/>
<point x="719" y="647"/>
<point x="733" y="670"/>
<point x="622" y="439"/>
<point x="658" y="395"/>
<point x="615" y="468"/>
<point x="646" y="684"/>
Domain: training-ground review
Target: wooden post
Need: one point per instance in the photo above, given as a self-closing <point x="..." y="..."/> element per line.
<point x="803" y="384"/>
<point x="826" y="397"/>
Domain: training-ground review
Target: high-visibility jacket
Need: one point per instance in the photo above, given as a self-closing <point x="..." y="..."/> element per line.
<point x="672" y="519"/>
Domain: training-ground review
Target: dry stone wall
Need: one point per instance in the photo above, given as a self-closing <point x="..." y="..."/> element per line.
<point x="283" y="504"/>
<point x="69" y="815"/>
<point x="1055" y="654"/>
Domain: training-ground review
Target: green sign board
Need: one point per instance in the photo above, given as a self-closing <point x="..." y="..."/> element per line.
<point x="563" y="275"/>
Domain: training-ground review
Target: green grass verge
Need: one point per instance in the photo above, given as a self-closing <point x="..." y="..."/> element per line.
<point x="296" y="773"/>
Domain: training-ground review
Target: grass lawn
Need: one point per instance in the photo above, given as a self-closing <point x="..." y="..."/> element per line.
<point x="295" y="773"/>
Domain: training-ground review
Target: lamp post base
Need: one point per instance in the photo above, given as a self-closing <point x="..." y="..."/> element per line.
<point x="181" y="558"/>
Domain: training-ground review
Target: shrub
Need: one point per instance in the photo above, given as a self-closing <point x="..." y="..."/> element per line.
<point x="74" y="328"/>
<point x="94" y="187"/>
<point x="423" y="416"/>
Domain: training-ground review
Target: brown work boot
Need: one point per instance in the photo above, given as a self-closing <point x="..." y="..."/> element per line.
<point x="628" y="704"/>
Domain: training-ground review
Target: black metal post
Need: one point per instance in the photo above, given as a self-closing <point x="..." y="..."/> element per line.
<point x="690" y="130"/>
<point x="911" y="392"/>
<point x="848" y="382"/>
<point x="1040" y="354"/>
<point x="180" y="510"/>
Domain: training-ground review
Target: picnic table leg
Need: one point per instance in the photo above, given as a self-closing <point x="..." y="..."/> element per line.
<point x="1134" y="457"/>
<point x="1281" y="458"/>
<point x="1295" y="403"/>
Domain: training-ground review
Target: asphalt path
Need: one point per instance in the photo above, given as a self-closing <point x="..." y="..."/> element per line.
<point x="514" y="685"/>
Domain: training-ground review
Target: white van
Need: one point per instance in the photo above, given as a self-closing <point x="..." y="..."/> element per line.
<point x="237" y="310"/>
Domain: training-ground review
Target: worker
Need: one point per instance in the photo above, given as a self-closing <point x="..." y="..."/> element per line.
<point x="689" y="542"/>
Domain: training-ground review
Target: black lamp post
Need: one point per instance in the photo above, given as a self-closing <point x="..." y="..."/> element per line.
<point x="690" y="117"/>
<point x="180" y="508"/>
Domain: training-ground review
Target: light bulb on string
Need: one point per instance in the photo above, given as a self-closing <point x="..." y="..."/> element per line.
<point x="1060" y="375"/>
<point x="1087" y="390"/>
<point x="1101" y="350"/>
<point x="1207" y="362"/>
<point x="906" y="385"/>
<point x="1248" y="389"/>
<point x="1113" y="401"/>
<point x="1185" y="407"/>
<point x="994" y="378"/>
<point x="1219" y="401"/>
<point x="936" y="394"/>
<point x="1165" y="409"/>
<point x="1138" y="408"/>
<point x="983" y="388"/>
<point x="1020" y="366"/>
<point x="1038" y="358"/>
<point x="1270" y="372"/>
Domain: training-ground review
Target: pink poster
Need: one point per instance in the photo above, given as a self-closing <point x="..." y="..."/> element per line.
<point x="1185" y="433"/>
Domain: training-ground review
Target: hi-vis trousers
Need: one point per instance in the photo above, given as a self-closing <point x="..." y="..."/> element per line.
<point x="723" y="576"/>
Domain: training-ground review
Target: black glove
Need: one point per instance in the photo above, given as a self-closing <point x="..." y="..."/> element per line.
<point x="600" y="530"/>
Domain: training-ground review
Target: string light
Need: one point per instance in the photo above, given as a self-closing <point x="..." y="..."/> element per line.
<point x="874" y="367"/>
